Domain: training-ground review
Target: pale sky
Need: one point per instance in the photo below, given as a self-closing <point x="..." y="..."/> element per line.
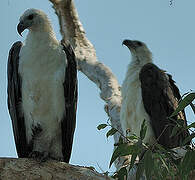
<point x="167" y="30"/>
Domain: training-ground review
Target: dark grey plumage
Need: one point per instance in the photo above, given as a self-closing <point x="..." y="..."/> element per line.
<point x="71" y="96"/>
<point x="160" y="98"/>
<point x="14" y="100"/>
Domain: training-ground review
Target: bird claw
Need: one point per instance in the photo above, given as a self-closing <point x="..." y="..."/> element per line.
<point x="39" y="156"/>
<point x="58" y="159"/>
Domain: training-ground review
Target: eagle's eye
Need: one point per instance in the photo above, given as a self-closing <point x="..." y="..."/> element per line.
<point x="30" y="17"/>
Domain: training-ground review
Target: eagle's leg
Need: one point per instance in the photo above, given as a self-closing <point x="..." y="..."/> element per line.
<point x="40" y="147"/>
<point x="40" y="156"/>
<point x="56" y="147"/>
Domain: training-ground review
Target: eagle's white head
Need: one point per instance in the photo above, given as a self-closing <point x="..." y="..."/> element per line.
<point x="34" y="20"/>
<point x="139" y="51"/>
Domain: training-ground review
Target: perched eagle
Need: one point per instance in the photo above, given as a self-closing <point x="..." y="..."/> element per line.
<point x="42" y="91"/>
<point x="151" y="94"/>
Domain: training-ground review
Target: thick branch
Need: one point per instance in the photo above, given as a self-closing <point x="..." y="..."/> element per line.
<point x="22" y="168"/>
<point x="72" y="30"/>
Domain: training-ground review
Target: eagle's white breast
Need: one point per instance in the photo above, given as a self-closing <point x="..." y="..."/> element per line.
<point x="42" y="68"/>
<point x="132" y="110"/>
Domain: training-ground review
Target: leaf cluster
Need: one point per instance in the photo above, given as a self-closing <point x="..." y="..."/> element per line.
<point x="154" y="161"/>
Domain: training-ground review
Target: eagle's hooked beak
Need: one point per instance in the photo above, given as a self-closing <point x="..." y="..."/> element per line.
<point x="21" y="27"/>
<point x="128" y="43"/>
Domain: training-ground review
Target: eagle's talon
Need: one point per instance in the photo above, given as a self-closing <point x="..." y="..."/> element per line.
<point x="39" y="156"/>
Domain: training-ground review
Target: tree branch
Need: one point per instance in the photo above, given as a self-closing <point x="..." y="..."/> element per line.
<point x="73" y="31"/>
<point x="23" y="168"/>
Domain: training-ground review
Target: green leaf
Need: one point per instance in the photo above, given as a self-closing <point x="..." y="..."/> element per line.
<point x="188" y="161"/>
<point x="143" y="130"/>
<point x="102" y="126"/>
<point x="117" y="152"/>
<point x="188" y="139"/>
<point x="120" y="141"/>
<point x="133" y="158"/>
<point x="184" y="102"/>
<point x="132" y="137"/>
<point x="111" y="132"/>
<point x="180" y="122"/>
<point x="191" y="125"/>
<point x="122" y="173"/>
<point x="148" y="163"/>
<point x="157" y="169"/>
<point x="167" y="153"/>
<point x="164" y="163"/>
<point x="122" y="150"/>
<point x="188" y="164"/>
<point x="163" y="150"/>
<point x="160" y="147"/>
<point x="175" y="130"/>
<point x="193" y="107"/>
<point x="114" y="176"/>
<point x="140" y="170"/>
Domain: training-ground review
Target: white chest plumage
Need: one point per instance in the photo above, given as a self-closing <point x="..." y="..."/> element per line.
<point x="132" y="110"/>
<point x="42" y="68"/>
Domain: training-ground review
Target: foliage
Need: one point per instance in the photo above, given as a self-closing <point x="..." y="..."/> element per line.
<point x="155" y="162"/>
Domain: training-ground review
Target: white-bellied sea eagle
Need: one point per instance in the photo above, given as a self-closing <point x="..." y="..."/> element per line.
<point x="150" y="94"/>
<point x="42" y="91"/>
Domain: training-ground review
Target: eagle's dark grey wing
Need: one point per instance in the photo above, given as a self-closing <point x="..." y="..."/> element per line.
<point x="160" y="98"/>
<point x="71" y="94"/>
<point x="14" y="100"/>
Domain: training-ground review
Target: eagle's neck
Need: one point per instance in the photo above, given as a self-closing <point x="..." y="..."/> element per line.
<point x="40" y="38"/>
<point x="40" y="48"/>
<point x="134" y="67"/>
<point x="140" y="60"/>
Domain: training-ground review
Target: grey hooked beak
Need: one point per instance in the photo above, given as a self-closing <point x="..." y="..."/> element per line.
<point x="21" y="27"/>
<point x="128" y="43"/>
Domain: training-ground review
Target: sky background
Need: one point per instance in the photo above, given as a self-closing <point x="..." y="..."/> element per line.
<point x="169" y="31"/>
